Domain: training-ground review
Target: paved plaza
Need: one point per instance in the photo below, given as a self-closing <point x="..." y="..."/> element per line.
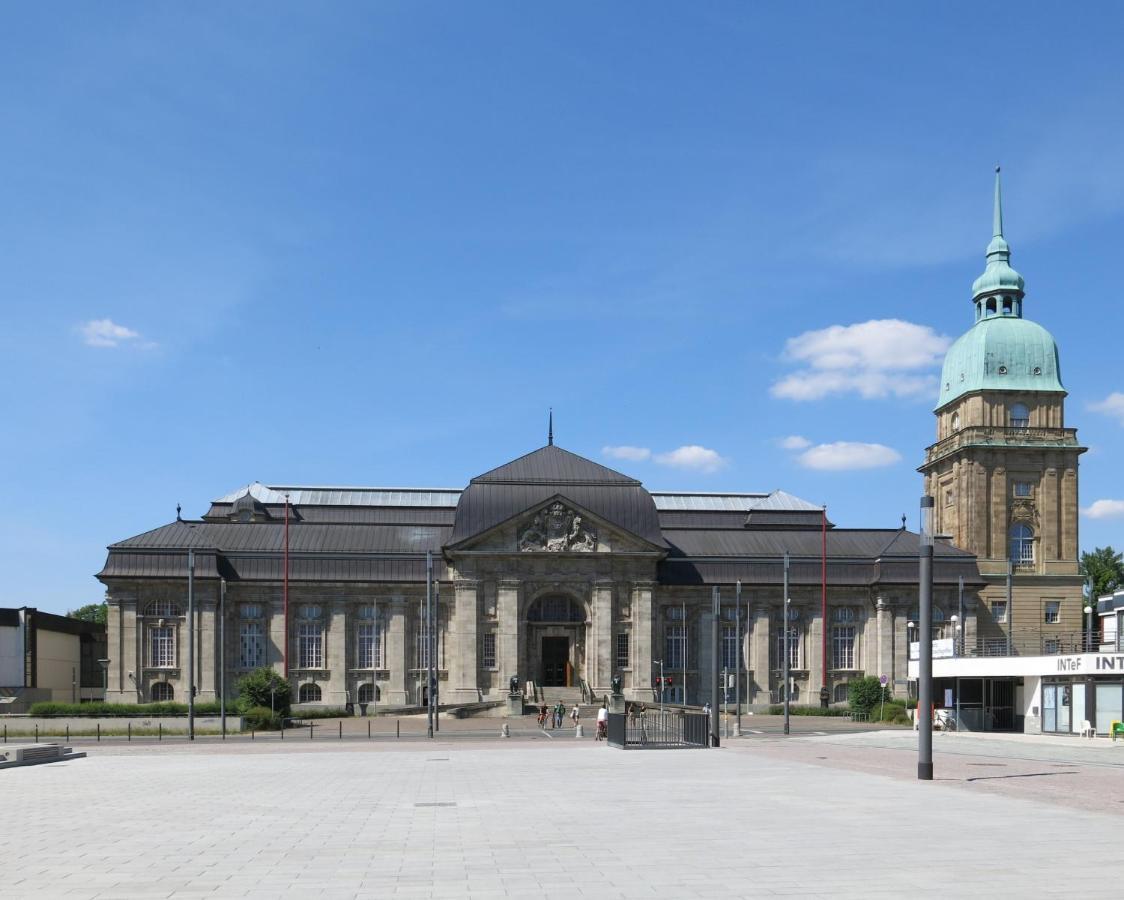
<point x="831" y="815"/>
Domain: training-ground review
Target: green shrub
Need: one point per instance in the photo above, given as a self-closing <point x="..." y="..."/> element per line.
<point x="321" y="712"/>
<point x="264" y="688"/>
<point x="894" y="713"/>
<point x="830" y="712"/>
<point x="50" y="708"/>
<point x="261" y="718"/>
<point x="865" y="693"/>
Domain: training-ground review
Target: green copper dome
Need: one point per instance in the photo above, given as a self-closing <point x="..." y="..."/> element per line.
<point x="1002" y="351"/>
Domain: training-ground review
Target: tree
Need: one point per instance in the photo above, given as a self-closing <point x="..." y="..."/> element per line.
<point x="865" y="693"/>
<point x="264" y="688"/>
<point x="1106" y="569"/>
<point x="91" y="612"/>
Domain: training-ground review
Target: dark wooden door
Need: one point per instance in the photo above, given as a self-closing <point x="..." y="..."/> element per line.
<point x="555" y="656"/>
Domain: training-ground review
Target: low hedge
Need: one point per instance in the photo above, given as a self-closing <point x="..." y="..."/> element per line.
<point x="830" y="712"/>
<point x="326" y="712"/>
<point x="50" y="708"/>
<point x="261" y="718"/>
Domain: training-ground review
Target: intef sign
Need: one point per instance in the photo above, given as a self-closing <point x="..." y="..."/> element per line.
<point x="1101" y="663"/>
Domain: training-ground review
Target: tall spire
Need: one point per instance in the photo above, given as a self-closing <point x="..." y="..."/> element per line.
<point x="550" y="429"/>
<point x="997" y="217"/>
<point x="998" y="278"/>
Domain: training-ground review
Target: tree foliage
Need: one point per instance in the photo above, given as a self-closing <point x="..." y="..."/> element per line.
<point x="91" y="612"/>
<point x="1106" y="569"/>
<point x="864" y="694"/>
<point x="256" y="689"/>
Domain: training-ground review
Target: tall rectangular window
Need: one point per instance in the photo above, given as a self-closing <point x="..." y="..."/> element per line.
<point x="731" y="647"/>
<point x="843" y="647"/>
<point x="368" y="640"/>
<point x="488" y="651"/>
<point x="310" y="646"/>
<point x="793" y="646"/>
<point x="162" y="647"/>
<point x="999" y="611"/>
<point x="675" y="645"/>
<point x="623" y="658"/>
<point x="421" y="647"/>
<point x="251" y="646"/>
<point x="1053" y="612"/>
<point x="1023" y="489"/>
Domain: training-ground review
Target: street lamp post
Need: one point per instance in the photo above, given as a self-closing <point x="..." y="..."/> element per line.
<point x="222" y="654"/>
<point x="191" y="645"/>
<point x="925" y="650"/>
<point x="956" y="652"/>
<point x="714" y="630"/>
<point x="784" y="644"/>
<point x="1089" y="628"/>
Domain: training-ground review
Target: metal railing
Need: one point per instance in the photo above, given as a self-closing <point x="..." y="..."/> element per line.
<point x="1035" y="643"/>
<point x="653" y="730"/>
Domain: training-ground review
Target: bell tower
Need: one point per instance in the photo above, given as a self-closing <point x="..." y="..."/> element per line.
<point x="1003" y="472"/>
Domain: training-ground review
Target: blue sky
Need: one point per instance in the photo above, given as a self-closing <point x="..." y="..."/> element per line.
<point x="372" y="243"/>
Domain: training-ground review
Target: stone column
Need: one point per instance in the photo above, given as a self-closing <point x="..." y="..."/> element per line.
<point x="642" y="614"/>
<point x="207" y="621"/>
<point x="883" y="637"/>
<point x="276" y="636"/>
<point x="759" y="657"/>
<point x="600" y="655"/>
<point x="1049" y="534"/>
<point x="462" y="630"/>
<point x="335" y="693"/>
<point x="704" y="653"/>
<point x="507" y="634"/>
<point x="397" y="653"/>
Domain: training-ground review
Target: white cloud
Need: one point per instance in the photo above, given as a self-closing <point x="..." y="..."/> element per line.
<point x="1105" y="509"/>
<point x="692" y="456"/>
<point x="1112" y="405"/>
<point x="106" y="333"/>
<point x="794" y="442"/>
<point x="633" y="454"/>
<point x="879" y="358"/>
<point x="846" y="455"/>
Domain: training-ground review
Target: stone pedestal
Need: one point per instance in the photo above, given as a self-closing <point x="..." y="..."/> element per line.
<point x="617" y="703"/>
<point x="514" y="706"/>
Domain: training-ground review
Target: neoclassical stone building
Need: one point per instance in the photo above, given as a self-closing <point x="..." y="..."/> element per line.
<point x="552" y="568"/>
<point x="1004" y="469"/>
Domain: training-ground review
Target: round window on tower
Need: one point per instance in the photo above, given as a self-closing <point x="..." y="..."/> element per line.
<point x="1037" y="370"/>
<point x="1002" y="370"/>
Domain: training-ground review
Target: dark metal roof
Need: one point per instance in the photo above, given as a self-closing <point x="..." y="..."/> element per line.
<point x="303" y="537"/>
<point x="497" y="496"/>
<point x="553" y="465"/>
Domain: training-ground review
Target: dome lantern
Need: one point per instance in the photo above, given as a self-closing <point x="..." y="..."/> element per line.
<point x="999" y="290"/>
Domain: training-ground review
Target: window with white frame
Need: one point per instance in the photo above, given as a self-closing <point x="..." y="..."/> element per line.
<point x="840" y="693"/>
<point x="162" y="647"/>
<point x="675" y="645"/>
<point x="162" y="692"/>
<point x="310" y="645"/>
<point x="731" y="647"/>
<point x="368" y="645"/>
<point x="163" y="609"/>
<point x="844" y="614"/>
<point x="309" y="693"/>
<point x="843" y="647"/>
<point x="422" y="642"/>
<point x="251" y="645"/>
<point x="1053" y="613"/>
<point x="1019" y="415"/>
<point x="623" y="657"/>
<point x="999" y="611"/>
<point x="251" y="610"/>
<point x="311" y="612"/>
<point x="1051" y="647"/>
<point x="488" y="650"/>
<point x="1024" y="489"/>
<point x="1022" y="545"/>
<point x="794" y="654"/>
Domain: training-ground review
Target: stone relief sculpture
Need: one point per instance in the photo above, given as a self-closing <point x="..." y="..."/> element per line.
<point x="560" y="528"/>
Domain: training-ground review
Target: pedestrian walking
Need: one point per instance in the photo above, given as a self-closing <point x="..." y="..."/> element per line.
<point x="575" y="714"/>
<point x="542" y="716"/>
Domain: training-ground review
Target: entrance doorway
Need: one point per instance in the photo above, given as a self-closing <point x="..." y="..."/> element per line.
<point x="556" y="662"/>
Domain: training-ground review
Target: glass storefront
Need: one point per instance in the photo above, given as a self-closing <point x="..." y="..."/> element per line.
<point x="1065" y="706"/>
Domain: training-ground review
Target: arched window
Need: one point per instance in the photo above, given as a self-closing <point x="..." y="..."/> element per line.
<point x="1018" y="416"/>
<point x="840" y="693"/>
<point x="555" y="608"/>
<point x="163" y="609"/>
<point x="251" y="645"/>
<point x="1022" y="545"/>
<point x="309" y="693"/>
<point x="368" y="693"/>
<point x="162" y="692"/>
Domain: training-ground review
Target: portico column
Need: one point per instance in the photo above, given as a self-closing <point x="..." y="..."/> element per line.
<point x="642" y="641"/>
<point x="601" y="656"/>
<point x="465" y="640"/>
<point x="759" y="657"/>
<point x="397" y="660"/>
<point x="507" y="637"/>
<point x="337" y="689"/>
<point x="883" y="636"/>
